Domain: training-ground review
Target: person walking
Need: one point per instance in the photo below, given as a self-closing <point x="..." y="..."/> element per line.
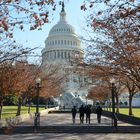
<point x="88" y="112"/>
<point x="99" y="113"/>
<point x="81" y="111"/>
<point x="74" y="111"/>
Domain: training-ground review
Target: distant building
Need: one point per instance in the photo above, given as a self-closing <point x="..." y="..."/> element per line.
<point x="124" y="99"/>
<point x="61" y="46"/>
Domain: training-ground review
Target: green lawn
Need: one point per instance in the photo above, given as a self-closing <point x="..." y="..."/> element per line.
<point x="10" y="111"/>
<point x="136" y="111"/>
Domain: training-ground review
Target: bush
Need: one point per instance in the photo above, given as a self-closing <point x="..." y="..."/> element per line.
<point x="10" y="100"/>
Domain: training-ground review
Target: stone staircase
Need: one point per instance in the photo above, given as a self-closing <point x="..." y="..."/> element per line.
<point x="70" y="129"/>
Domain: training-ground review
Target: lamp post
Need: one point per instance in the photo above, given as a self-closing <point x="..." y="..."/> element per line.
<point x="37" y="114"/>
<point x="114" y="118"/>
<point x="60" y="101"/>
<point x="86" y="99"/>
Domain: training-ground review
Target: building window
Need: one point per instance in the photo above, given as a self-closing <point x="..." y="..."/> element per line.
<point x="58" y="54"/>
<point x="65" y="55"/>
<point x="62" y="55"/>
<point x="55" y="55"/>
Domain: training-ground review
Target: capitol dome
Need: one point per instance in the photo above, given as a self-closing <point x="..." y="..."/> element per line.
<point x="62" y="27"/>
<point x="62" y="42"/>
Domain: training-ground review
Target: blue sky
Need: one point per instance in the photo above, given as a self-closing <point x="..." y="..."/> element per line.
<point x="36" y="38"/>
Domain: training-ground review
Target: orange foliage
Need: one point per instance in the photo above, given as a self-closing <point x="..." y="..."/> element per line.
<point x="17" y="13"/>
<point x="100" y="93"/>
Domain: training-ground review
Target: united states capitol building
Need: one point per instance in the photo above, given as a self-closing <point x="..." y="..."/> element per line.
<point x="61" y="45"/>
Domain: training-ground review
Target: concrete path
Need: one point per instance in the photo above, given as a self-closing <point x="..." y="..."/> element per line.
<point x="66" y="119"/>
<point x="63" y="119"/>
<point x="65" y="136"/>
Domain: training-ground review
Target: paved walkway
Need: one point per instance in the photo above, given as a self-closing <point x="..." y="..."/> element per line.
<point x="66" y="119"/>
<point x="63" y="119"/>
<point x="73" y="136"/>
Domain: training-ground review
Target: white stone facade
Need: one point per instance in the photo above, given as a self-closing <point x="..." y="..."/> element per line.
<point x="61" y="45"/>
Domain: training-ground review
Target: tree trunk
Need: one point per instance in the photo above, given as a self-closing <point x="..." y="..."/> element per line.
<point x="29" y="104"/>
<point x="1" y="106"/>
<point x="46" y="104"/>
<point x="19" y="107"/>
<point x="130" y="105"/>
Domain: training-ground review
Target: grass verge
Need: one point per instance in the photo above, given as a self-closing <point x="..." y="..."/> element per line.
<point x="10" y="111"/>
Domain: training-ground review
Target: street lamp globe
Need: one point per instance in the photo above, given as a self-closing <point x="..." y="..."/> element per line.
<point x="112" y="80"/>
<point x="38" y="80"/>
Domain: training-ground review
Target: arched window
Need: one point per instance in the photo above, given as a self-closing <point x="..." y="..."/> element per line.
<point x="65" y="42"/>
<point x="61" y="41"/>
<point x="55" y="41"/>
<point x="58" y="41"/>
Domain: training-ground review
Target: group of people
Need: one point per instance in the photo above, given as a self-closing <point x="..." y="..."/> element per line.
<point x="86" y="111"/>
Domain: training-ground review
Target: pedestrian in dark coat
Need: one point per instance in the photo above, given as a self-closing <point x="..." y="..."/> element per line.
<point x="88" y="112"/>
<point x="74" y="111"/>
<point x="81" y="111"/>
<point x="99" y="113"/>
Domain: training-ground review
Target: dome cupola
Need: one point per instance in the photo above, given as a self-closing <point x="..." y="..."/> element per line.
<point x="62" y="41"/>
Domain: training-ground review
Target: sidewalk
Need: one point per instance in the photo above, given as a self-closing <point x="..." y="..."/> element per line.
<point x="66" y="119"/>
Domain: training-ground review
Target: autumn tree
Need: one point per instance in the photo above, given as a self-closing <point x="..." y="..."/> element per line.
<point x="6" y="83"/>
<point x="23" y="80"/>
<point x="99" y="93"/>
<point x="22" y="15"/>
<point x="119" y="48"/>
<point x="114" y="42"/>
<point x="132" y="89"/>
<point x="17" y="13"/>
<point x="52" y="80"/>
